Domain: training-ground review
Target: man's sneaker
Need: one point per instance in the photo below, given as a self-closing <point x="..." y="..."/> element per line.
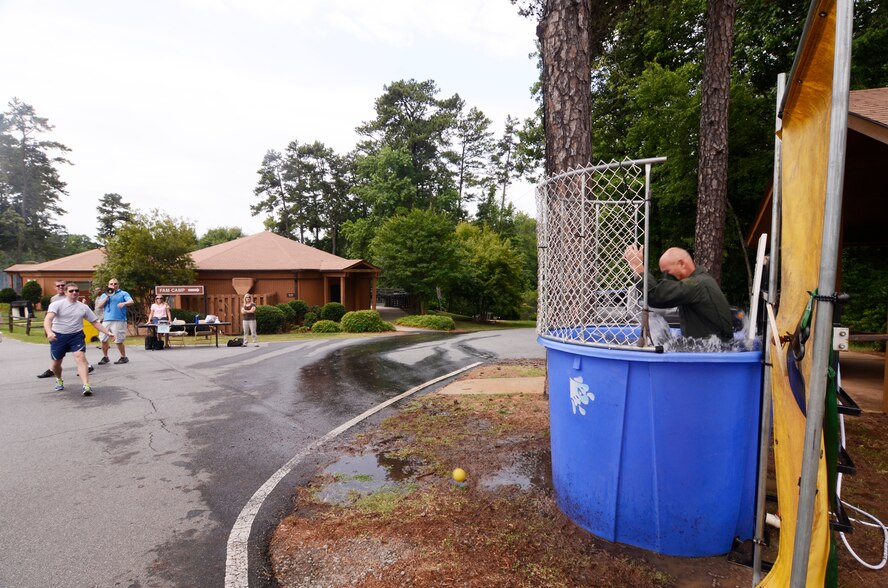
<point x="104" y="360"/>
<point x="123" y="359"/>
<point x="46" y="374"/>
<point x="60" y="385"/>
<point x="87" y="391"/>
<point x="89" y="368"/>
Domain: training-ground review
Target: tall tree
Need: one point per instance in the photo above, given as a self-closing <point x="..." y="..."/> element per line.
<point x="503" y="163"/>
<point x="112" y="213"/>
<point x="563" y="33"/>
<point x="218" y="236"/>
<point x="30" y="186"/>
<point x="472" y="145"/>
<point x="273" y="195"/>
<point x="410" y="117"/>
<point x="418" y="253"/>
<point x="152" y="249"/>
<point x="490" y="277"/>
<point x="712" y="174"/>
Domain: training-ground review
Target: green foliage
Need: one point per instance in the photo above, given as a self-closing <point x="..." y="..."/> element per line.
<point x="218" y="236"/>
<point x="529" y="301"/>
<point x="290" y="318"/>
<point x="310" y="319"/>
<point x="326" y="326"/>
<point x="359" y="233"/>
<point x="306" y="193"/>
<point x="490" y="275"/>
<point x="112" y="213"/>
<point x="269" y="319"/>
<point x="182" y="314"/>
<point x="364" y="321"/>
<point x="411" y="118"/>
<point x="153" y="249"/>
<point x="427" y="321"/>
<point x="8" y="295"/>
<point x="416" y="252"/>
<point x="45" y="301"/>
<point x="30" y="185"/>
<point x="32" y="291"/>
<point x="300" y="308"/>
<point x="865" y="278"/>
<point x="332" y="311"/>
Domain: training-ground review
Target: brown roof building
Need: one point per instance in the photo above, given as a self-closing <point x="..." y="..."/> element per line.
<point x="865" y="193"/>
<point x="273" y="268"/>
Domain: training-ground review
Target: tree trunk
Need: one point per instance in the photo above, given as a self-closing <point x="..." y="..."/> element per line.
<point x="712" y="176"/>
<point x="563" y="33"/>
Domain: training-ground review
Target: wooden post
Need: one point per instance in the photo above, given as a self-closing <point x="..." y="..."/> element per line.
<point x="885" y="382"/>
<point x="373" y="291"/>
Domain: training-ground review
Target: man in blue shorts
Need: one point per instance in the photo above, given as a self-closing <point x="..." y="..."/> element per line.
<point x="60" y="295"/>
<point x="64" y="329"/>
<point x="114" y="303"/>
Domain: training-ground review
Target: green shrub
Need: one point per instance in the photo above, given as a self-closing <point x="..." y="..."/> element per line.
<point x="8" y="295"/>
<point x="302" y="329"/>
<point x="32" y="291"/>
<point x="427" y="321"/>
<point x="333" y="311"/>
<point x="300" y="307"/>
<point x="44" y="302"/>
<point x="269" y="319"/>
<point x="289" y="315"/>
<point x="325" y="326"/>
<point x="364" y="321"/>
<point x="310" y="319"/>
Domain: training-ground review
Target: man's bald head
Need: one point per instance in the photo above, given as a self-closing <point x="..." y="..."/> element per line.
<point x="677" y="263"/>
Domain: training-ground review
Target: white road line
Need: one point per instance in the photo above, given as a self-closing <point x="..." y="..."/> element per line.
<point x="237" y="558"/>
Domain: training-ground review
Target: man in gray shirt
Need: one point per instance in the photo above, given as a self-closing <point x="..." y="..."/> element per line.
<point x="63" y="326"/>
<point x="60" y="295"/>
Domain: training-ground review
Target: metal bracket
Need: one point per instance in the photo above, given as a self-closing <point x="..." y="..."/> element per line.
<point x="840" y="338"/>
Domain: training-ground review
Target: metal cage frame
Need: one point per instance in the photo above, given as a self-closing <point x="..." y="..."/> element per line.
<point x="586" y="218"/>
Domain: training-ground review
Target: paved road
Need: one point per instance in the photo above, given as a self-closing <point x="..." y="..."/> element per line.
<point x="139" y="485"/>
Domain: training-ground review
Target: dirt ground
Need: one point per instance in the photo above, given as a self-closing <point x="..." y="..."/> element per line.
<point x="388" y="513"/>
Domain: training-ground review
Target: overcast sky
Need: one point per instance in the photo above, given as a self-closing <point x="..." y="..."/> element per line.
<point x="173" y="103"/>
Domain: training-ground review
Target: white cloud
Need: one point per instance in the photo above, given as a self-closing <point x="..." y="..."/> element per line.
<point x="173" y="103"/>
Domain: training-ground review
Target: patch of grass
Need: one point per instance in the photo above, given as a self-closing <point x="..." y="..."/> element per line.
<point x="385" y="500"/>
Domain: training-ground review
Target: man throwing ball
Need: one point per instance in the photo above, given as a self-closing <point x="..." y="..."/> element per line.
<point x="64" y="329"/>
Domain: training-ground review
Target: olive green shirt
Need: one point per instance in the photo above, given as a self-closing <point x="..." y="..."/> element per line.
<point x="703" y="309"/>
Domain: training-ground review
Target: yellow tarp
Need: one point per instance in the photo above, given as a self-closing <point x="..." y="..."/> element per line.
<point x="805" y="135"/>
<point x="89" y="331"/>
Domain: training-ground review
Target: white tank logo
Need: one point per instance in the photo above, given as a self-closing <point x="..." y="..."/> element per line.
<point x="579" y="394"/>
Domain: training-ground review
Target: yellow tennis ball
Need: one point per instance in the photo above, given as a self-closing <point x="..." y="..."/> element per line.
<point x="459" y="475"/>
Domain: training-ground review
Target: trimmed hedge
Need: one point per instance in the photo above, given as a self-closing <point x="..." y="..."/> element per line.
<point x="8" y="295"/>
<point x="310" y="319"/>
<point x="290" y="318"/>
<point x="364" y="321"/>
<point x="32" y="291"/>
<point x="333" y="311"/>
<point x="300" y="307"/>
<point x="324" y="326"/>
<point x="269" y="319"/>
<point x="427" y="321"/>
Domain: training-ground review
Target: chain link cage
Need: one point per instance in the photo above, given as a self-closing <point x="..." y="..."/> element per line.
<point x="586" y="219"/>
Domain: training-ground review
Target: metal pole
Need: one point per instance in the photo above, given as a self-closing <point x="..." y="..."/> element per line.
<point x="765" y="425"/>
<point x="829" y="251"/>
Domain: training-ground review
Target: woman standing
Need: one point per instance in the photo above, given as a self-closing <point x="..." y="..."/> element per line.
<point x="249" y="318"/>
<point x="160" y="310"/>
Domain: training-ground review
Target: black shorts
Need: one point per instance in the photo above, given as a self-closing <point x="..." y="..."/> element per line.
<point x="66" y="342"/>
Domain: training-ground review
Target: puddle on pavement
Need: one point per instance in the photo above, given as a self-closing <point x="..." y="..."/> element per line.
<point x="529" y="471"/>
<point x="362" y="475"/>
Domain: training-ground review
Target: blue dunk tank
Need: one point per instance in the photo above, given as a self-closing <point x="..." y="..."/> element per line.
<point x="649" y="448"/>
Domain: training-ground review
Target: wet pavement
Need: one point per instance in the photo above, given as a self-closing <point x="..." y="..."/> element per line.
<point x="140" y="484"/>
